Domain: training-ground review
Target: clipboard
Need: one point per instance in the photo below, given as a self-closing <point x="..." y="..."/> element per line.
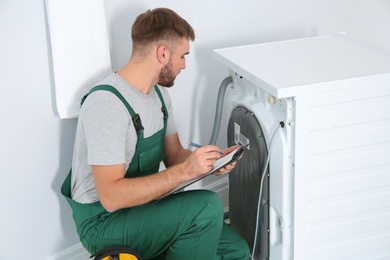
<point x="220" y="163"/>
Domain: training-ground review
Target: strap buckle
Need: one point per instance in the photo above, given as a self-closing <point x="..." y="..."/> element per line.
<point x="137" y="123"/>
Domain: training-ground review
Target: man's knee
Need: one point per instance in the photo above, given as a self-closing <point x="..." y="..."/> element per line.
<point x="210" y="200"/>
<point x="205" y="209"/>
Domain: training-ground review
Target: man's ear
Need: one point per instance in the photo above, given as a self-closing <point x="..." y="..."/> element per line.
<point x="162" y="53"/>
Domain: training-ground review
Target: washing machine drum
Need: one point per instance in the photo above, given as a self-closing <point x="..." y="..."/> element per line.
<point x="244" y="181"/>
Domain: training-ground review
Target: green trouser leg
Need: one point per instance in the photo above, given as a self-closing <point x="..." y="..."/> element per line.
<point x="187" y="225"/>
<point x="227" y="247"/>
<point x="231" y="245"/>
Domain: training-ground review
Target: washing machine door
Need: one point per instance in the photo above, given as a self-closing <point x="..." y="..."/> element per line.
<point x="244" y="181"/>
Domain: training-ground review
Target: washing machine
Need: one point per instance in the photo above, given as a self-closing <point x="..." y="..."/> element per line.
<point x="314" y="114"/>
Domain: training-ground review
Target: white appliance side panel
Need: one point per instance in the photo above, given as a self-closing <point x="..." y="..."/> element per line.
<point x="342" y="174"/>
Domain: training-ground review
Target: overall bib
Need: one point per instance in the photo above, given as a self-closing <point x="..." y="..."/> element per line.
<point x="187" y="225"/>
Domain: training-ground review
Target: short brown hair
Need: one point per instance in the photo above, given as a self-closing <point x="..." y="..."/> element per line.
<point x="160" y="24"/>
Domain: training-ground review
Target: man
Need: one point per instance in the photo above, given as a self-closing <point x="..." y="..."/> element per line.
<point x="125" y="129"/>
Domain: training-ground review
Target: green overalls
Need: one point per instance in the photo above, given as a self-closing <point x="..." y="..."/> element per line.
<point x="147" y="158"/>
<point x="187" y="225"/>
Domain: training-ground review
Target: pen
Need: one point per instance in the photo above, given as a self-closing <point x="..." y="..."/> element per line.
<point x="199" y="146"/>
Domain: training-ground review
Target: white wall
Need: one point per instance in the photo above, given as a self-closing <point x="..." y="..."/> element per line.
<point x="36" y="147"/>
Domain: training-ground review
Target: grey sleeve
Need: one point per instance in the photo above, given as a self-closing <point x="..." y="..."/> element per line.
<point x="105" y="126"/>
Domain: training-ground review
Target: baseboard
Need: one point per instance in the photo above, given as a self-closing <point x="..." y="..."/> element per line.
<point x="76" y="252"/>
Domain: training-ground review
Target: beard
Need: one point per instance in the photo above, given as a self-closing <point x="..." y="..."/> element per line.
<point x="166" y="78"/>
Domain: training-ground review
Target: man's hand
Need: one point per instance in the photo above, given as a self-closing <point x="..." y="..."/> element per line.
<point x="228" y="167"/>
<point x="202" y="160"/>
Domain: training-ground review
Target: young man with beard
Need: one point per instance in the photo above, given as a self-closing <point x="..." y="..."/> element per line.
<point x="125" y="129"/>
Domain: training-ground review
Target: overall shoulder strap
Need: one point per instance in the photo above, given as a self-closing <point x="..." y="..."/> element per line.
<point x="135" y="117"/>
<point x="163" y="108"/>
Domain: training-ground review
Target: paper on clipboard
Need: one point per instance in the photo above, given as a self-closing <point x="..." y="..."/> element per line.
<point x="220" y="163"/>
